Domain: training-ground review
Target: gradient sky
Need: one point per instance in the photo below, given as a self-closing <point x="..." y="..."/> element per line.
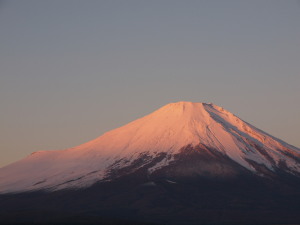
<point x="71" y="70"/>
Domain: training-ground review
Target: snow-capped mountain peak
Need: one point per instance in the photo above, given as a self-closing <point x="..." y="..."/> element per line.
<point x="154" y="141"/>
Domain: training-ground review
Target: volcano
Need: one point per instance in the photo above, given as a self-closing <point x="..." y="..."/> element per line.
<point x="185" y="163"/>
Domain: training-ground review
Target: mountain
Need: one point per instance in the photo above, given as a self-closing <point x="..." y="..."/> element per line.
<point x="184" y="159"/>
<point x="157" y="141"/>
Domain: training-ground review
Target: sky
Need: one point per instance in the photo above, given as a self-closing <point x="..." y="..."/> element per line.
<point x="72" y="70"/>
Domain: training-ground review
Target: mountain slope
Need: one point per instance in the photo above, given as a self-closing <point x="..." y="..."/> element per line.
<point x="220" y="143"/>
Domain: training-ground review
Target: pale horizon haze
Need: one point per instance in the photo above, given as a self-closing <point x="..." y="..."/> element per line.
<point x="71" y="70"/>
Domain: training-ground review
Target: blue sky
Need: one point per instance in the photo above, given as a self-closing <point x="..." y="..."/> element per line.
<point x="71" y="70"/>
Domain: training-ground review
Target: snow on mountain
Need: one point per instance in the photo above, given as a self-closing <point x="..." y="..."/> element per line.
<point x="167" y="130"/>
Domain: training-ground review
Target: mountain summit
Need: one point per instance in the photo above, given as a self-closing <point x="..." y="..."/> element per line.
<point x="182" y="139"/>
